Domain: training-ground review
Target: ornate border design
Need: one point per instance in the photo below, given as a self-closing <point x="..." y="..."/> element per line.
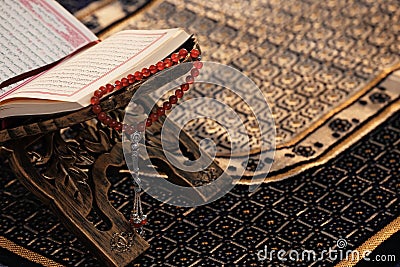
<point x="26" y="253"/>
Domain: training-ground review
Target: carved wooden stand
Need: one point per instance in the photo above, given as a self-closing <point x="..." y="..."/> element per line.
<point x="64" y="159"/>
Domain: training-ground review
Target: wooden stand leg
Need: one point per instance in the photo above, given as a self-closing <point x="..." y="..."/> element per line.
<point x="69" y="174"/>
<point x="73" y="195"/>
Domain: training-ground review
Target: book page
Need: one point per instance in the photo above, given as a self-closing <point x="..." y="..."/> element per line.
<point x="76" y="79"/>
<point x="35" y="33"/>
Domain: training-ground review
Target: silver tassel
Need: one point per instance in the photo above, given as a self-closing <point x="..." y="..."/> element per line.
<point x="137" y="219"/>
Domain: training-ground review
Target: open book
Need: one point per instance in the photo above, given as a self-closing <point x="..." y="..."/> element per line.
<point x="53" y="63"/>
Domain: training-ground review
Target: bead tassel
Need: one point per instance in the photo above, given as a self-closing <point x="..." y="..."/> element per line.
<point x="137" y="218"/>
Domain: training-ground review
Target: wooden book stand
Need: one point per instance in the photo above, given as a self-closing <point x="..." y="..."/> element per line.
<point x="63" y="159"/>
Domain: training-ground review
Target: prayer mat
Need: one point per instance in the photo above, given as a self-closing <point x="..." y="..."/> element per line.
<point x="353" y="198"/>
<point x="317" y="64"/>
<point x="324" y="67"/>
<point x="98" y="15"/>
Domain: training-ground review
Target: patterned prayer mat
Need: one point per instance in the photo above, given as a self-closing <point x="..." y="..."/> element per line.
<point x="319" y="63"/>
<point x="98" y="15"/>
<point x="75" y="6"/>
<point x="316" y="62"/>
<point x="354" y="197"/>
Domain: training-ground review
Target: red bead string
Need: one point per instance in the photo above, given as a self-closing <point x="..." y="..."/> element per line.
<point x="139" y="76"/>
